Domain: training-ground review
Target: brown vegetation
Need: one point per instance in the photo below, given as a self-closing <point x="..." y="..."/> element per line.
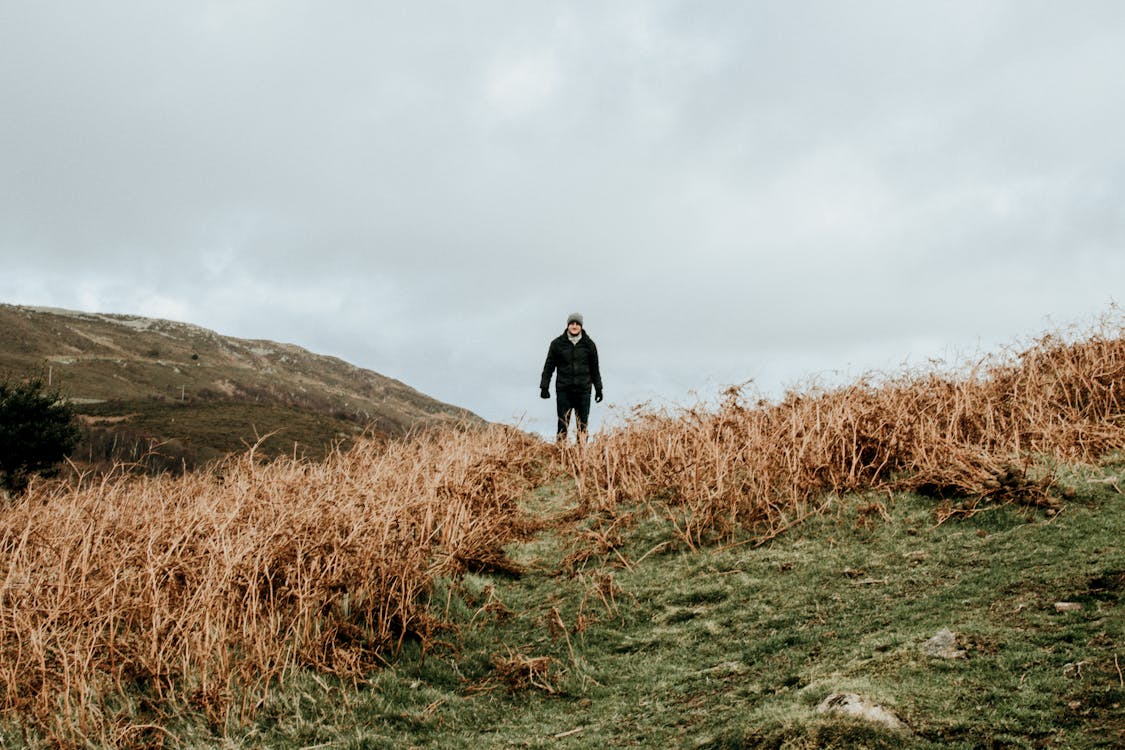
<point x="205" y="589"/>
<point x="521" y="672"/>
<point x="977" y="434"/>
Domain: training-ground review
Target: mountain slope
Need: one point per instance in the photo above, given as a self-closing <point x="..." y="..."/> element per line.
<point x="140" y="380"/>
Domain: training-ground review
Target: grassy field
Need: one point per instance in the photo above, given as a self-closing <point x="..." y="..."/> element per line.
<point x="653" y="645"/>
<point x="656" y="646"/>
<point x="701" y="578"/>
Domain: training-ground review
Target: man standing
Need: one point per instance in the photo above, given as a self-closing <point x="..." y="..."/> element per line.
<point x="574" y="358"/>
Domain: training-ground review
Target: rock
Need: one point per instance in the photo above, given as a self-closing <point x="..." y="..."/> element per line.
<point x="1067" y="606"/>
<point x="851" y="704"/>
<point x="1073" y="670"/>
<point x="943" y="645"/>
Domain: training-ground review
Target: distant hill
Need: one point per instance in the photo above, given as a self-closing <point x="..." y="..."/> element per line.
<point x="195" y="394"/>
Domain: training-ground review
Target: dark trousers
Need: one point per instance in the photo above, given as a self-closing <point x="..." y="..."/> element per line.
<point x="574" y="401"/>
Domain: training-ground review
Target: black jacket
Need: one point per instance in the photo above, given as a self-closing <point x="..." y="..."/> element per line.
<point x="576" y="364"/>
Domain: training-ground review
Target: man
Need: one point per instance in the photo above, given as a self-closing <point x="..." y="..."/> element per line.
<point x="574" y="358"/>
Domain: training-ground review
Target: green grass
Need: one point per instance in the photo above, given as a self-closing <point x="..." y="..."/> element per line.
<point x="735" y="647"/>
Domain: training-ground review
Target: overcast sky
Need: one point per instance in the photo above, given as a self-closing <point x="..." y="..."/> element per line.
<point x="727" y="191"/>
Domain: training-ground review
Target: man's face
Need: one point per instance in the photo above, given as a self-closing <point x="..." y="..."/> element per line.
<point x="574" y="328"/>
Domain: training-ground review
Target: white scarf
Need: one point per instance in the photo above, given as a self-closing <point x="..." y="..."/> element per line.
<point x="575" y="339"/>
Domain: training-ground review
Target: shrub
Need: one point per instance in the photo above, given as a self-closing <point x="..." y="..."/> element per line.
<point x="37" y="431"/>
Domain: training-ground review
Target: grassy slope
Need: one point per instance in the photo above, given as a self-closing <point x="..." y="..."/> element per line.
<point x="735" y="647"/>
<point x="210" y="393"/>
<point x="213" y="429"/>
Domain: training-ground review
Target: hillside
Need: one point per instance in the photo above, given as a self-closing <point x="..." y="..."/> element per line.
<point x="651" y="645"/>
<point x="138" y="381"/>
<point x="942" y="548"/>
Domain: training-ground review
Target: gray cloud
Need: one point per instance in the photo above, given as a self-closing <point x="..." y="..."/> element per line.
<point x="767" y="190"/>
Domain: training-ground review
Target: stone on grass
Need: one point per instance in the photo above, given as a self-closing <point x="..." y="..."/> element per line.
<point x="943" y="645"/>
<point x="852" y="704"/>
<point x="1067" y="606"/>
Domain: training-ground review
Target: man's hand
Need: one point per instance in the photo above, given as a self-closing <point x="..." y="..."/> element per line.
<point x="598" y="396"/>
<point x="544" y="393"/>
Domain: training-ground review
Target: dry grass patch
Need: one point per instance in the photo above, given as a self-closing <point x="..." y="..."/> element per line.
<point x="521" y="672"/>
<point x="978" y="433"/>
<point x="204" y="591"/>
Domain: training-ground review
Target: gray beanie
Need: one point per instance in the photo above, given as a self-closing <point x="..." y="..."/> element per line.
<point x="574" y="318"/>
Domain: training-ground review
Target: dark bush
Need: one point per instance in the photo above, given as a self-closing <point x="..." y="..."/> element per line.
<point x="37" y="431"/>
